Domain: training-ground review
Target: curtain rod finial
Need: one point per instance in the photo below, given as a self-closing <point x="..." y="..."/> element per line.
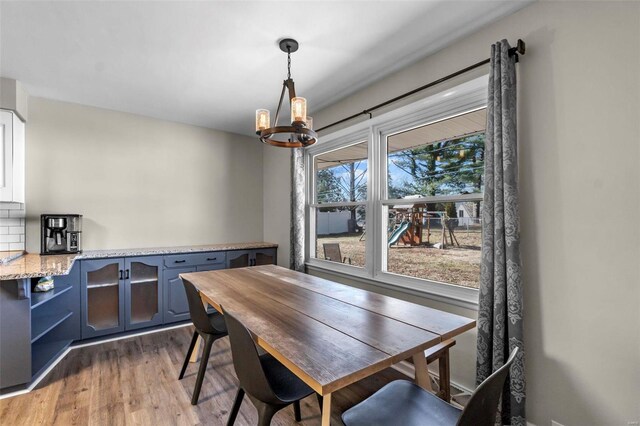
<point x="519" y="49"/>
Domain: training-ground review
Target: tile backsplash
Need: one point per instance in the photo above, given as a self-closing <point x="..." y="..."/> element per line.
<point x="12" y="226"/>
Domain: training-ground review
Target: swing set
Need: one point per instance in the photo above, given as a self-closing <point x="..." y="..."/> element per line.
<point x="407" y="226"/>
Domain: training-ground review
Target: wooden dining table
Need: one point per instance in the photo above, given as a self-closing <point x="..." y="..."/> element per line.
<point x="328" y="334"/>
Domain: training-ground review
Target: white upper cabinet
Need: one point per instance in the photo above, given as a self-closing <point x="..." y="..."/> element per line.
<point x="12" y="160"/>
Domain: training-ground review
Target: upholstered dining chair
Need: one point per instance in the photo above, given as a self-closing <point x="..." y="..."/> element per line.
<point x="210" y="326"/>
<point x="269" y="384"/>
<point x="404" y="403"/>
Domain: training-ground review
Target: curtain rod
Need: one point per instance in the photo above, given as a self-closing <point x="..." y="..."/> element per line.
<point x="519" y="49"/>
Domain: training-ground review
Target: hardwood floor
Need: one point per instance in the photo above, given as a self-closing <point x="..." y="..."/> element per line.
<point x="135" y="382"/>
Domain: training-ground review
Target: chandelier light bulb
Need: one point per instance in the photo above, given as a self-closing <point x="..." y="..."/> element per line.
<point x="298" y="109"/>
<point x="262" y="119"/>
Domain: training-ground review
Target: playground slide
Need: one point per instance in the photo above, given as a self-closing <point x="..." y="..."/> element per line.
<point x="395" y="236"/>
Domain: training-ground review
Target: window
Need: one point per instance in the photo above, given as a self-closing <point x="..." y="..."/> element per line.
<point x="397" y="199"/>
<point x="339" y="208"/>
<point x="432" y="171"/>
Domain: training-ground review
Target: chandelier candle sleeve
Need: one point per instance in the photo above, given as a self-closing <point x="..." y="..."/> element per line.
<point x="262" y="119"/>
<point x="309" y="122"/>
<point x="298" y="109"/>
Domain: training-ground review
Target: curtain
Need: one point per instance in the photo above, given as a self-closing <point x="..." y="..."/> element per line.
<point x="297" y="210"/>
<point x="500" y="299"/>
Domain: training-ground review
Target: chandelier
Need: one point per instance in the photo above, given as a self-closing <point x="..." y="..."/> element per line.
<point x="300" y="133"/>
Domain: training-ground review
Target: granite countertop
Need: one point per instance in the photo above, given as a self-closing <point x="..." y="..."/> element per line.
<point x="36" y="265"/>
<point x="8" y="256"/>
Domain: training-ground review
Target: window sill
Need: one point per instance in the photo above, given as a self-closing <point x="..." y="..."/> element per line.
<point x="463" y="297"/>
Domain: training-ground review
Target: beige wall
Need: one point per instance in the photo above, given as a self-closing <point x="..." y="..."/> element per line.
<point x="277" y="198"/>
<point x="140" y="182"/>
<point x="579" y="115"/>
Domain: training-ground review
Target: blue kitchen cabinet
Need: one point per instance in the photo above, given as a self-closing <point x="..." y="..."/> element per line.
<point x="143" y="291"/>
<point x="15" y="332"/>
<point x="176" y="307"/>
<point x="55" y="319"/>
<point x="121" y="294"/>
<point x="103" y="297"/>
<point x="255" y="257"/>
<point x="266" y="256"/>
<point x="239" y="259"/>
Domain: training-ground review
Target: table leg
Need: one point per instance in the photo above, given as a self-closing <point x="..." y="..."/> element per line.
<point x="422" y="372"/>
<point x="326" y="409"/>
<point x="196" y="348"/>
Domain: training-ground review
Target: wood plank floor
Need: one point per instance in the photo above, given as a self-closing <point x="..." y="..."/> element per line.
<point x="135" y="382"/>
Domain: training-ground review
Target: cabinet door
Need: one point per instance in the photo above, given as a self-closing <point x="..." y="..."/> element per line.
<point x="239" y="259"/>
<point x="143" y="292"/>
<point x="12" y="160"/>
<point x="15" y="332"/>
<point x="264" y="257"/>
<point x="176" y="307"/>
<point x="102" y="297"/>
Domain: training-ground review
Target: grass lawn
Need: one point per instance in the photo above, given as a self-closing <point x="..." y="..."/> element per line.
<point x="453" y="265"/>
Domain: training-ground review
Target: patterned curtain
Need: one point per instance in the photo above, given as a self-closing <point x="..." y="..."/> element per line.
<point x="500" y="303"/>
<point x="297" y="210"/>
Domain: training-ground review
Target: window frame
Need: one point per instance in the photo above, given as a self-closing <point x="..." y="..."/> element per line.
<point x="346" y="140"/>
<point x="464" y="98"/>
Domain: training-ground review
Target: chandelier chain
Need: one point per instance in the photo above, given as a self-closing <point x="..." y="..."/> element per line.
<point x="288" y="62"/>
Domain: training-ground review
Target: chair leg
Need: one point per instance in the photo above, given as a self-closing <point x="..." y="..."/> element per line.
<point x="186" y="360"/>
<point x="208" y="342"/>
<point x="266" y="413"/>
<point x="296" y="411"/>
<point x="236" y="407"/>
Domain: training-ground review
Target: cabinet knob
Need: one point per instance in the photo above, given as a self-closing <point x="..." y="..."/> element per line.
<point x="212" y="258"/>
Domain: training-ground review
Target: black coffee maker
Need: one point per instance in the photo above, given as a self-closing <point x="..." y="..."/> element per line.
<point x="60" y="233"/>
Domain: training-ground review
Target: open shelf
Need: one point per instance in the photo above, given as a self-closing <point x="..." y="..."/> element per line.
<point x="38" y="299"/>
<point x="43" y="353"/>
<point x="42" y="324"/>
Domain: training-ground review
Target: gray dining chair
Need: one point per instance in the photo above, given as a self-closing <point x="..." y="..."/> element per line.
<point x="268" y="383"/>
<point x="210" y="326"/>
<point x="404" y="403"/>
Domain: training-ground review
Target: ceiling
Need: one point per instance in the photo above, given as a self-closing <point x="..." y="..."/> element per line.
<point x="214" y="63"/>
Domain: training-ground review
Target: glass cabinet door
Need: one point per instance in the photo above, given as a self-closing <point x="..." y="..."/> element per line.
<point x="239" y="259"/>
<point x="102" y="297"/>
<point x="265" y="257"/>
<point x="143" y="292"/>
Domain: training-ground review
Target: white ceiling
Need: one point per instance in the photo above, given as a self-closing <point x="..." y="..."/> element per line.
<point x="214" y="63"/>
